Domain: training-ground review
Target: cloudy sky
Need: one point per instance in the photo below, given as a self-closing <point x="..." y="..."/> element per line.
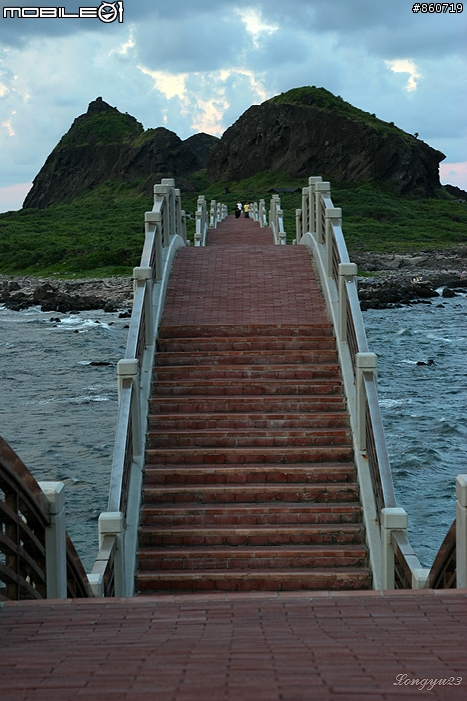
<point x="197" y="65"/>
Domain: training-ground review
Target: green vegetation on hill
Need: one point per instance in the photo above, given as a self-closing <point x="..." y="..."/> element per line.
<point x="323" y="100"/>
<point x="109" y="127"/>
<point x="101" y="232"/>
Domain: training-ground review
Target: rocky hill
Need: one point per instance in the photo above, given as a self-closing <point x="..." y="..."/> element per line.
<point x="309" y="131"/>
<point x="105" y="144"/>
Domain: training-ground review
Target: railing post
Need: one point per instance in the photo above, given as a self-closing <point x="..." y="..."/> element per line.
<point x="129" y="368"/>
<point x="55" y="540"/>
<point x="161" y="197"/>
<point x="312" y="180"/>
<point x="262" y="214"/>
<point x="364" y="362"/>
<point x="305" y="213"/>
<point x="153" y="220"/>
<point x="330" y="213"/>
<point x="346" y="271"/>
<point x="392" y="519"/>
<point x="461" y="531"/>
<point x="178" y="213"/>
<point x="298" y="225"/>
<point x="143" y="276"/>
<point x="170" y="185"/>
<point x="112" y="523"/>
<point x="322" y="189"/>
<point x="212" y="215"/>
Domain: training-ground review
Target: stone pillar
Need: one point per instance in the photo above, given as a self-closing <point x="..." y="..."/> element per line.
<point x="312" y="203"/>
<point x="55" y="540"/>
<point x="143" y="276"/>
<point x="330" y="213"/>
<point x="322" y="189"/>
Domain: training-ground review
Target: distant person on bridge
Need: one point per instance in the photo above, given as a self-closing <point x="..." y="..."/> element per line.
<point x="246" y="209"/>
<point x="238" y="209"/>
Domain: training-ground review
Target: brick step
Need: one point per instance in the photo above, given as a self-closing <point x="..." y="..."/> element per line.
<point x="251" y="558"/>
<point x="246" y="387"/>
<point x="245" y="580"/>
<point x="246" y="358"/>
<point x="318" y="534"/>
<point x="200" y="421"/>
<point x="252" y="373"/>
<point x="248" y="474"/>
<point x="256" y="438"/>
<point x="237" y="344"/>
<point x="279" y="454"/>
<point x="246" y="330"/>
<point x="250" y="515"/>
<point x="246" y="404"/>
<point x="250" y="493"/>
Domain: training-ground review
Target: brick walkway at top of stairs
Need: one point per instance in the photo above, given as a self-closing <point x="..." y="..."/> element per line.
<point x="304" y="646"/>
<point x="245" y="282"/>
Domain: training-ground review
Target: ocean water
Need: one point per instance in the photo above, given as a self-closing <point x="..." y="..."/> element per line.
<point x="58" y="411"/>
<point x="424" y="410"/>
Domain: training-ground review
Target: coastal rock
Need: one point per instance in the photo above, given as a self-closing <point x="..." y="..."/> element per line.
<point x="310" y="131"/>
<point x="104" y="144"/>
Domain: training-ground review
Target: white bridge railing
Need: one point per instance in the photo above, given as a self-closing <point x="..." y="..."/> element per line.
<point x="113" y="572"/>
<point x="276" y="221"/>
<point x="393" y="561"/>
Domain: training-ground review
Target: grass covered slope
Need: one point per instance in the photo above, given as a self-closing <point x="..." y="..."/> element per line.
<point x="101" y="232"/>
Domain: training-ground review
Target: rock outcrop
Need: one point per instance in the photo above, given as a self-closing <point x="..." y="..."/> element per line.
<point x="309" y="131"/>
<point x="105" y="144"/>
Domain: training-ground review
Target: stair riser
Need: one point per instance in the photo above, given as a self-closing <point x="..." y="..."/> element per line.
<point x="262" y="359"/>
<point x="220" y="388"/>
<point x="252" y="439"/>
<point x="259" y="373"/>
<point x="258" y="494"/>
<point x="237" y="345"/>
<point x="200" y="405"/>
<point x="213" y="456"/>
<point x="245" y="331"/>
<point x="308" y="582"/>
<point x="171" y="540"/>
<point x="195" y="422"/>
<point x="239" y="475"/>
<point x="243" y="562"/>
<point x="250" y="516"/>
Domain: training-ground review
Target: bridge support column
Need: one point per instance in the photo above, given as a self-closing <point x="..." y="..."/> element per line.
<point x="461" y="531"/>
<point x="55" y="540"/>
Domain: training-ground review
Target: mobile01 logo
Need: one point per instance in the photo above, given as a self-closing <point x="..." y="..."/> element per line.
<point x="107" y="12"/>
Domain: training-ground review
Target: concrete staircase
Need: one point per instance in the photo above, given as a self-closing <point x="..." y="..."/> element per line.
<point x="249" y="482"/>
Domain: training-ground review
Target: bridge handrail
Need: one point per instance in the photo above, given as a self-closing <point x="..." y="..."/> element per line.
<point x="165" y="233"/>
<point x="276" y="221"/>
<point x="319" y="227"/>
<point x="202" y="221"/>
<point x="30" y="538"/>
<point x="449" y="569"/>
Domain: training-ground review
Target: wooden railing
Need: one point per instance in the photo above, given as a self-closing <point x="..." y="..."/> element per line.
<point x="37" y="558"/>
<point x="165" y="227"/>
<point x="319" y="227"/>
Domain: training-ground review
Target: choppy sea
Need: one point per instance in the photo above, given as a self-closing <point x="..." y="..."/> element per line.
<point x="58" y="411"/>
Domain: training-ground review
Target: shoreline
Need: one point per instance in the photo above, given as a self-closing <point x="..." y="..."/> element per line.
<point x="385" y="280"/>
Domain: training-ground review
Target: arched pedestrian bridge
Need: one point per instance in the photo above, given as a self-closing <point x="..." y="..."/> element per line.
<point x="249" y="453"/>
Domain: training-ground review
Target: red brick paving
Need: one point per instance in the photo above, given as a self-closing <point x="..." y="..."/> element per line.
<point x="244" y="334"/>
<point x="238" y="647"/>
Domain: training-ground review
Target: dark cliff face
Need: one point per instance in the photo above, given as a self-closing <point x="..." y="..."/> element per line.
<point x="105" y="144"/>
<point x="309" y="131"/>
